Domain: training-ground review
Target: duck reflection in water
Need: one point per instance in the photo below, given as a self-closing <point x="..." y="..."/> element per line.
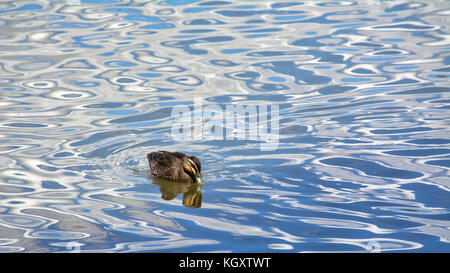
<point x="177" y="173"/>
<point x="192" y="192"/>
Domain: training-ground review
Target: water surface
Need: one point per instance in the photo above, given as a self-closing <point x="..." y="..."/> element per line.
<point x="87" y="90"/>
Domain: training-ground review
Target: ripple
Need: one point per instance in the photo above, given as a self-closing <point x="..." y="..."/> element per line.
<point x="151" y="115"/>
<point x="41" y="84"/>
<point x="25" y="125"/>
<point x="57" y="235"/>
<point x="429" y="141"/>
<point x="222" y="225"/>
<point x="203" y="22"/>
<point x="362" y="160"/>
<point x="125" y="81"/>
<point x="119" y="25"/>
<point x="441" y="162"/>
<point x="249" y="78"/>
<point x="168" y="68"/>
<point x="223" y="63"/>
<point x="248" y="13"/>
<point x="47" y="37"/>
<point x="8" y="189"/>
<point x="289" y="68"/>
<point x="426" y="90"/>
<point x="78" y="64"/>
<point x="69" y="94"/>
<point x="371" y="168"/>
<point x="176" y="243"/>
<point x="188" y="80"/>
<point x="401" y="131"/>
<point x="345" y="224"/>
<point x="26" y="7"/>
<point x="21" y="221"/>
<point x="376" y="245"/>
<point x="403" y="26"/>
<point x="280" y="246"/>
<point x="186" y="45"/>
<point x="412" y="210"/>
<point x="150" y="57"/>
<point x="418" y="152"/>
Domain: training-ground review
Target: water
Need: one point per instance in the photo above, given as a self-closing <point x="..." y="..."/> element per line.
<point x="362" y="160"/>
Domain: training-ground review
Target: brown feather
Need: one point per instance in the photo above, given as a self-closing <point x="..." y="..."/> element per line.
<point x="174" y="166"/>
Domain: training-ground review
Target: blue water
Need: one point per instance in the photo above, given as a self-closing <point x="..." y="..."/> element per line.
<point x="362" y="163"/>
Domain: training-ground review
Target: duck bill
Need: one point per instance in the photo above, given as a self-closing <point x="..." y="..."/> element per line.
<point x="198" y="179"/>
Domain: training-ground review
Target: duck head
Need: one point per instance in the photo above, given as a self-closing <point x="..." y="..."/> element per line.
<point x="193" y="168"/>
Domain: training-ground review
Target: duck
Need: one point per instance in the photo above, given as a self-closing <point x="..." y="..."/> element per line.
<point x="175" y="166"/>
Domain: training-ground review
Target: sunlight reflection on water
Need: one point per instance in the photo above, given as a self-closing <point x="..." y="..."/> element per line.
<point x="87" y="91"/>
